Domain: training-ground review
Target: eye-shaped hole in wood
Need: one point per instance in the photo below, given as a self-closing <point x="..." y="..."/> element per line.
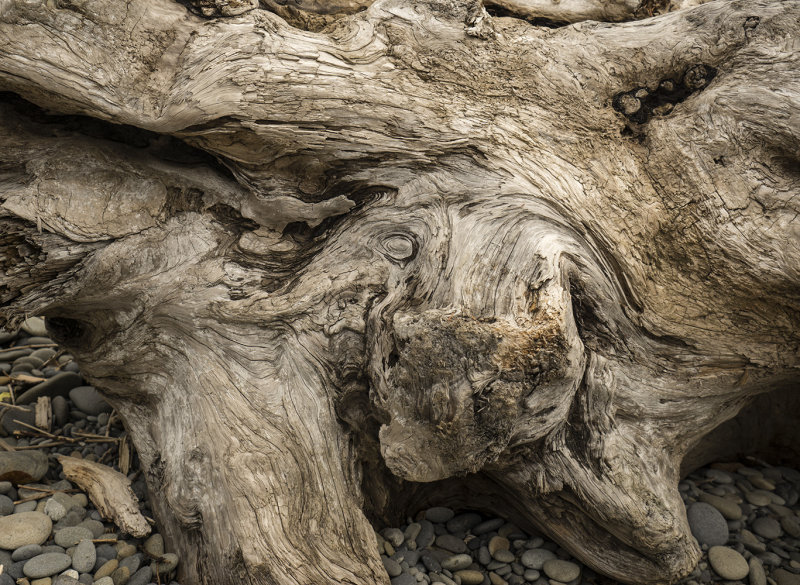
<point x="399" y="248"/>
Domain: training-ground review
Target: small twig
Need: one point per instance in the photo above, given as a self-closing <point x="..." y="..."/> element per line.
<point x="104" y="540"/>
<point x="41" y="446"/>
<point x="45" y="494"/>
<point x="93" y="435"/>
<point x="12" y="406"/>
<point x="6" y="446"/>
<point x="33" y="488"/>
<point x="110" y="420"/>
<point x="34" y="346"/>
<point x="27" y="379"/>
<point x="40" y="431"/>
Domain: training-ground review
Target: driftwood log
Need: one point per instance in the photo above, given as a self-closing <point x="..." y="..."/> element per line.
<point x="332" y="262"/>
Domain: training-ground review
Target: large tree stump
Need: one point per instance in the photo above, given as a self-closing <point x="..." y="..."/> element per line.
<point x="416" y="253"/>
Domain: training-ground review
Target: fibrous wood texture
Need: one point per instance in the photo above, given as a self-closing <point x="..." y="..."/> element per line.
<point x="421" y="254"/>
<point x="110" y="491"/>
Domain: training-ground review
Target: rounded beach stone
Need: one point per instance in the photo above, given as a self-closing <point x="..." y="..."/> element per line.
<point x="22" y="466"/>
<point x="393" y="568"/>
<point x="707" y="524"/>
<point x="504" y="556"/>
<point x="728" y="563"/>
<point x="84" y="556"/>
<point x="469" y="577"/>
<point x="451" y="543"/>
<point x="727" y="507"/>
<point x="757" y="576"/>
<point x="6" y="505"/>
<point x="72" y="535"/>
<point x="106" y="569"/>
<point x="154" y="546"/>
<point x="34" y="326"/>
<point x="439" y="514"/>
<point x="535" y="558"/>
<point x="393" y="535"/>
<point x="487" y="526"/>
<point x="141" y="577"/>
<point x="121" y="575"/>
<point x="758" y="497"/>
<point x="58" y="385"/>
<point x="457" y="562"/>
<point x="55" y="509"/>
<point x="125" y="549"/>
<point x="24" y="528"/>
<point x="463" y="522"/>
<point x="498" y="543"/>
<point x="767" y="527"/>
<point x="563" y="571"/>
<point x="784" y="577"/>
<point x="46" y="564"/>
<point x="167" y="564"/>
<point x="26" y="552"/>
<point x="791" y="524"/>
<point x="104" y="581"/>
<point x="404" y="579"/>
<point x="87" y="399"/>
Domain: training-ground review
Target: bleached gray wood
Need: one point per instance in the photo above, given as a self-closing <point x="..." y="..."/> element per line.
<point x="440" y="256"/>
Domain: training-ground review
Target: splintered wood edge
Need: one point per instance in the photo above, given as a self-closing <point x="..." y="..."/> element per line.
<point x="110" y="491"/>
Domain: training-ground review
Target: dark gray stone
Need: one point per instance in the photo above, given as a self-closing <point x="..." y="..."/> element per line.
<point x="6" y="505"/>
<point x="451" y="543"/>
<point x="88" y="400"/>
<point x="46" y="565"/>
<point x="11" y="419"/>
<point x="15" y="570"/>
<point x="108" y="551"/>
<point x="26" y="552"/>
<point x="767" y="527"/>
<point x="439" y="514"/>
<point x="535" y="558"/>
<point x="141" y="577"/>
<point x="707" y="524"/>
<point x="58" y="385"/>
<point x="71" y="535"/>
<point x="463" y="522"/>
<point x="392" y="567"/>
<point x="404" y="579"/>
<point x="430" y="562"/>
<point x="84" y="556"/>
<point x="133" y="562"/>
<point x="426" y="534"/>
<point x="60" y="410"/>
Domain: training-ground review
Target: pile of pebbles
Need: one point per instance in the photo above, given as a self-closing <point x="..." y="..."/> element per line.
<point x="50" y="532"/>
<point x="745" y="515"/>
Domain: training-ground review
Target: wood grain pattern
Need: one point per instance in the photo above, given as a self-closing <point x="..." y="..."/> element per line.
<point x="417" y="254"/>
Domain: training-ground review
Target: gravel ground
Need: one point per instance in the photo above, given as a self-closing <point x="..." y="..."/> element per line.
<point x="744" y="514"/>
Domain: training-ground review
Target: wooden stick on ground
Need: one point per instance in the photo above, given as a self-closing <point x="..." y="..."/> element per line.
<point x="110" y="491"/>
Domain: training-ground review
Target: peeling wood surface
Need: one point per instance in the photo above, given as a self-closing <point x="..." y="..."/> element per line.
<point x="110" y="492"/>
<point x="322" y="273"/>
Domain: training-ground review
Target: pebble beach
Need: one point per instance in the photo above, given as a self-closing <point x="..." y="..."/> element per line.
<point x="744" y="514"/>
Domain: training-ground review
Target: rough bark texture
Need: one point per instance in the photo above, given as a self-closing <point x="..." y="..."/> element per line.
<point x="420" y="255"/>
